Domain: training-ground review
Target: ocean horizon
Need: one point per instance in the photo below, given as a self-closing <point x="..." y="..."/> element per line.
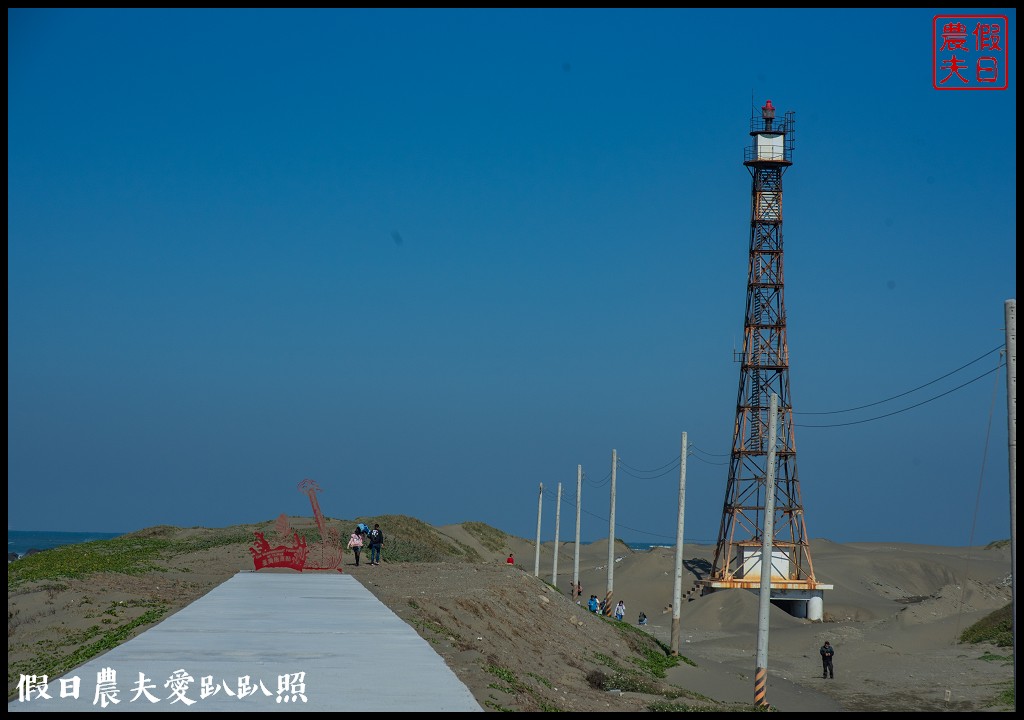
<point x="21" y="541"/>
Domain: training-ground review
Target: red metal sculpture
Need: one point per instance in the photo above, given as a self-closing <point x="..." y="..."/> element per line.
<point x="326" y="554"/>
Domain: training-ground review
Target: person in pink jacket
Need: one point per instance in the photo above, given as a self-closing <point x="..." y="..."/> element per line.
<point x="355" y="541"/>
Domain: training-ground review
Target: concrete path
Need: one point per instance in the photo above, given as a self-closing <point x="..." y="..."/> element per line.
<point x="264" y="642"/>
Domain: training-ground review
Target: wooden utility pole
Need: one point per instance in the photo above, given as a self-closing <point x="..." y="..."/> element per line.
<point x="1010" y="309"/>
<point x="536" y="557"/>
<point x="611" y="542"/>
<point x="677" y="592"/>
<point x="558" y="518"/>
<point x="767" y="538"/>
<point x="576" y="556"/>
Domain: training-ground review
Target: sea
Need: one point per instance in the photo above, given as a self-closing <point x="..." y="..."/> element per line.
<point x="671" y="546"/>
<point x="646" y="546"/>
<point x="21" y="541"/>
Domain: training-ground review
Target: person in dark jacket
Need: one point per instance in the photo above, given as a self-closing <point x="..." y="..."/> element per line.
<point x="376" y="538"/>
<point x="826" y="661"/>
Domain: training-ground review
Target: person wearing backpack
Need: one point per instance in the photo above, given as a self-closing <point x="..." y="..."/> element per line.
<point x="376" y="538"/>
<point x="355" y="543"/>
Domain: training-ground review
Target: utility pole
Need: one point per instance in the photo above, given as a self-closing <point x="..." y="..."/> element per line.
<point x="558" y="516"/>
<point x="536" y="558"/>
<point x="576" y="557"/>
<point x="765" y="593"/>
<point x="611" y="542"/>
<point x="1010" y="310"/>
<point x="677" y="593"/>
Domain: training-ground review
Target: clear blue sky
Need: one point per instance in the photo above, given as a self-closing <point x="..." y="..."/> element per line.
<point x="432" y="259"/>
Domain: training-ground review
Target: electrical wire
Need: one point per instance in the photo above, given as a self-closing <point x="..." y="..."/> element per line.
<point x="705" y="452"/>
<point x="671" y="467"/>
<point x="673" y="461"/>
<point x="894" y="397"/>
<point x="707" y="462"/>
<point x="911" y="407"/>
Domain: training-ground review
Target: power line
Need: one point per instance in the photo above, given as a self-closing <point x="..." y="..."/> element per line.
<point x="620" y="526"/>
<point x="708" y="462"/>
<point x="894" y="397"/>
<point x="911" y="407"/>
<point x="671" y="465"/>
<point x="673" y="461"/>
<point x="697" y="449"/>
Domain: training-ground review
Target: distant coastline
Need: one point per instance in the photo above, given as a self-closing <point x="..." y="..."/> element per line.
<point x="20" y="542"/>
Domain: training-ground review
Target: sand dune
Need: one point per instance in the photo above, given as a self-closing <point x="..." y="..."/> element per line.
<point x="894" y="616"/>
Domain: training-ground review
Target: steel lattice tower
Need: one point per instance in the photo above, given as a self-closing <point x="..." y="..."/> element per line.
<point x="764" y="372"/>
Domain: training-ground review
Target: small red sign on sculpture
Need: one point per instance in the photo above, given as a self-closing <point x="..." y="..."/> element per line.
<point x="291" y="549"/>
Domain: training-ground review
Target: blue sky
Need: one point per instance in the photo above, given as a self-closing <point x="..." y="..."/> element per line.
<point x="433" y="259"/>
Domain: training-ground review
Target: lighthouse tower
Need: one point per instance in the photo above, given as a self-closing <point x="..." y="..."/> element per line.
<point x="764" y="371"/>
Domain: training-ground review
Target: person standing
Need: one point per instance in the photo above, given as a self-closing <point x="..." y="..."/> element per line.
<point x="620" y="610"/>
<point x="826" y="661"/>
<point x="355" y="543"/>
<point x="579" y="591"/>
<point x="592" y="604"/>
<point x="376" y="540"/>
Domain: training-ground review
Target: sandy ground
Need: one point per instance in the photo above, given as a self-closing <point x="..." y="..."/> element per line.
<point x="519" y="644"/>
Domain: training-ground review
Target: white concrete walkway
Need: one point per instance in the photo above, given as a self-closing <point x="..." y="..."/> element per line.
<point x="264" y="642"/>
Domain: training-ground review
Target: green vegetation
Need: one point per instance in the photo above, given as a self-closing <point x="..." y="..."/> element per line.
<point x="995" y="628"/>
<point x="491" y="538"/>
<point x="1006" y="698"/>
<point x="132" y="554"/>
<point x="657" y="656"/>
<point x="496" y="707"/>
<point x="718" y="707"/>
<point x="423" y="625"/>
<point x="53" y="661"/>
<point x="513" y="686"/>
<point x="543" y="681"/>
<point x="647" y="673"/>
<point x="407" y="539"/>
<point x="500" y="672"/>
<point x="120" y="555"/>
